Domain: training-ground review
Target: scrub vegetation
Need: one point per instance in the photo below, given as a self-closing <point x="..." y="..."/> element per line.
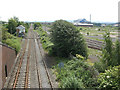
<point x="78" y="71"/>
<point x="9" y="33"/>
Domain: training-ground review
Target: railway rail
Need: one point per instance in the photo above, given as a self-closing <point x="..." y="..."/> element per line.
<point x="94" y="44"/>
<point x="30" y="70"/>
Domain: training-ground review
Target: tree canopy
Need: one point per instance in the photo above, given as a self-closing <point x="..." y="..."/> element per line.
<point x="12" y="24"/>
<point x="67" y="39"/>
<point x="37" y="25"/>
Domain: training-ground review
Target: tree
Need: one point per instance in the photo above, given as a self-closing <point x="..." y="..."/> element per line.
<point x="67" y="39"/>
<point x="37" y="25"/>
<point x="16" y="19"/>
<point x="107" y="52"/>
<point x="111" y="53"/>
<point x="12" y="26"/>
<point x="117" y="53"/>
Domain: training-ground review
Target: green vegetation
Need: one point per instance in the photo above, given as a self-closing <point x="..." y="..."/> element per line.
<point x="36" y="25"/>
<point x="110" y="54"/>
<point x="13" y="23"/>
<point x="8" y="33"/>
<point x="110" y="80"/>
<point x="45" y="39"/>
<point x="76" y="73"/>
<point x="67" y="40"/>
<point x="97" y="31"/>
<point x="94" y="52"/>
<point x="14" y="42"/>
<point x="117" y="53"/>
<point x="11" y="40"/>
<point x="108" y="50"/>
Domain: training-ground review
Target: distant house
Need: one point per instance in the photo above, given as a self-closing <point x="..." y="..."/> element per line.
<point x="20" y="29"/>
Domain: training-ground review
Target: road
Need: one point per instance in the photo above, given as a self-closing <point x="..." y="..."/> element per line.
<point x="29" y="69"/>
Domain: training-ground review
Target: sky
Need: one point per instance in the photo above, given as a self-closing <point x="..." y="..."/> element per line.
<point x="50" y="10"/>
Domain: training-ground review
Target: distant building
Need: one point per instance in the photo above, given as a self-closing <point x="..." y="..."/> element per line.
<point x="115" y="25"/>
<point x="20" y="29"/>
<point x="103" y="25"/>
<point x="82" y="23"/>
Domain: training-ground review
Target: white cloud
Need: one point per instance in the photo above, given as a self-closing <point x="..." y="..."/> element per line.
<point x="46" y="10"/>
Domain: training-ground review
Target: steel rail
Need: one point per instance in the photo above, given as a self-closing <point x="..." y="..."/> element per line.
<point x="18" y="70"/>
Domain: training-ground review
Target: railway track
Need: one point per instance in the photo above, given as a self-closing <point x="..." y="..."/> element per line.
<point x="30" y="70"/>
<point x="94" y="44"/>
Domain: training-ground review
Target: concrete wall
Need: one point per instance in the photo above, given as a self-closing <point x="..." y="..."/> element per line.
<point x="8" y="57"/>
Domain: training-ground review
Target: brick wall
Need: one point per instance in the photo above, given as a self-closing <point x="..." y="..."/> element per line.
<point x="8" y="57"/>
<point x="0" y="67"/>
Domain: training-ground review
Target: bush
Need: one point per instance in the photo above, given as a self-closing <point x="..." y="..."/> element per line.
<point x="110" y="80"/>
<point x="37" y="25"/>
<point x="67" y="39"/>
<point x="72" y="82"/>
<point x="110" y="53"/>
<point x="107" y="52"/>
<point x="117" y="53"/>
<point x="80" y="29"/>
<point x="77" y="74"/>
<point x="14" y="43"/>
<point x="100" y="66"/>
<point x="45" y="40"/>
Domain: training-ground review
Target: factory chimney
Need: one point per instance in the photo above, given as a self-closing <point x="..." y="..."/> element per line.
<point x="90" y="18"/>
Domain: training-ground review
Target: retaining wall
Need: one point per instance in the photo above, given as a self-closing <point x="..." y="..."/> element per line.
<point x="8" y="57"/>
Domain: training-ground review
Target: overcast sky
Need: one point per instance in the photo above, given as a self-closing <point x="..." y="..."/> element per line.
<point x="49" y="10"/>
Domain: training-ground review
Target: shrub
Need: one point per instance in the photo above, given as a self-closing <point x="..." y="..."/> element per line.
<point x="15" y="43"/>
<point x="100" y="66"/>
<point x="45" y="40"/>
<point x="67" y="39"/>
<point x="107" y="52"/>
<point x="72" y="82"/>
<point x="110" y="80"/>
<point x="77" y="74"/>
<point x="117" y="53"/>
